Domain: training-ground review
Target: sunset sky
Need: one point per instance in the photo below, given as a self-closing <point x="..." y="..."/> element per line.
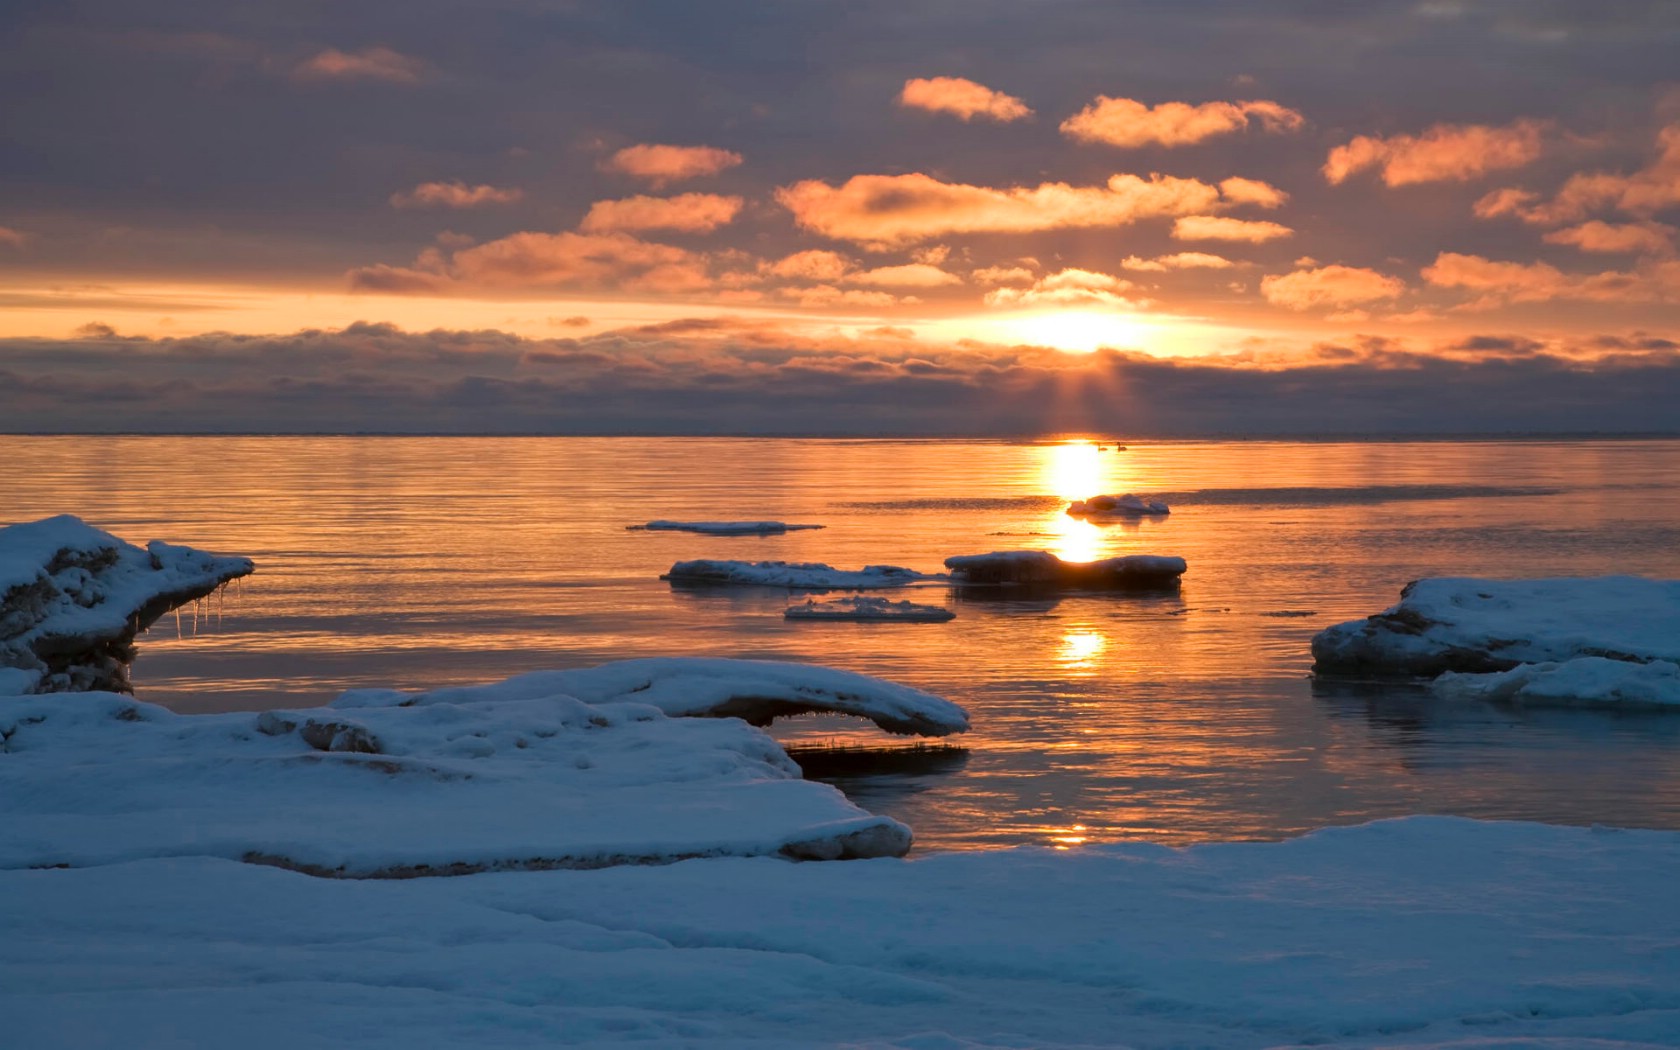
<point x="865" y="217"/>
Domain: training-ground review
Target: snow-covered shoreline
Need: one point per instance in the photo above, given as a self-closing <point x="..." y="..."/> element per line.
<point x="1421" y="932"/>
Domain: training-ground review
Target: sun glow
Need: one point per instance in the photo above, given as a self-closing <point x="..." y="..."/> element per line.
<point x="1077" y="331"/>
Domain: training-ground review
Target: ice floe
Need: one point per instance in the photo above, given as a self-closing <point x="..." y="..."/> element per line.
<point x="1127" y="506"/>
<point x="862" y="608"/>
<point x="798" y="576"/>
<point x="1478" y="625"/>
<point x="1586" y="681"/>
<point x="1042" y="569"/>
<point x="723" y="528"/>
<point x="569" y="769"/>
<point x="1423" y="932"/>
<point x="73" y="597"/>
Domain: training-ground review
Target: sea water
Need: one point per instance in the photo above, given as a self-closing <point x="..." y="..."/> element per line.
<point x="1191" y="716"/>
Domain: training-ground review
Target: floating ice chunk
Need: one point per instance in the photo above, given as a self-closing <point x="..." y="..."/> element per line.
<point x="1478" y="625"/>
<point x="799" y="576"/>
<point x="868" y="609"/>
<point x="73" y="597"/>
<point x="1128" y="506"/>
<point x="1587" y="681"/>
<point x="724" y="528"/>
<point x="574" y="769"/>
<point x="755" y="690"/>
<point x="1045" y="570"/>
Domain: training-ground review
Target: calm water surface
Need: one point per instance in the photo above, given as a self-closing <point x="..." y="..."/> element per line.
<point x="420" y="562"/>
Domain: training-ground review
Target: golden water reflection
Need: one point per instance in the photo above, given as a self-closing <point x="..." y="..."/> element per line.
<point x="1080" y="649"/>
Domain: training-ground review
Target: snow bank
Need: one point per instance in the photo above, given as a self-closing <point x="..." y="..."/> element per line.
<point x="799" y="576"/>
<point x="755" y="691"/>
<point x="1128" y="506"/>
<point x="567" y="770"/>
<point x="1587" y="681"/>
<point x="1479" y="626"/>
<point x="1424" y="932"/>
<point x="868" y="609"/>
<point x="1045" y="570"/>
<point x="723" y="528"/>
<point x="73" y="597"/>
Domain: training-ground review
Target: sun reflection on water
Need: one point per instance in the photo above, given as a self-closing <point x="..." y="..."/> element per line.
<point x="1080" y="649"/>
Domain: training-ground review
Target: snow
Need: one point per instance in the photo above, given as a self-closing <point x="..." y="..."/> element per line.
<point x="800" y="576"/>
<point x="754" y="690"/>
<point x="1479" y="625"/>
<point x="1043" y="569"/>
<point x="1587" y="681"/>
<point x="723" y="528"/>
<point x="1422" y="932"/>
<point x="73" y="597"/>
<point x="1123" y="506"/>
<point x="868" y="609"/>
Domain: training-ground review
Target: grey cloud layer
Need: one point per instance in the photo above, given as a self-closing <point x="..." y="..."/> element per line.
<point x="715" y="377"/>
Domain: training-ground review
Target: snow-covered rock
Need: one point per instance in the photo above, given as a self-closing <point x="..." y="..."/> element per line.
<point x="1424" y="932"/>
<point x="1479" y="626"/>
<point x="1127" y="506"/>
<point x="862" y="608"/>
<point x="1586" y="681"/>
<point x="755" y="691"/>
<point x="723" y="528"/>
<point x="73" y="597"/>
<point x="796" y="576"/>
<point x="1044" y="570"/>
<point x="572" y="769"/>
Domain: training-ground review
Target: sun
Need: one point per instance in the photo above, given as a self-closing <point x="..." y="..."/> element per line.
<point x="1076" y="331"/>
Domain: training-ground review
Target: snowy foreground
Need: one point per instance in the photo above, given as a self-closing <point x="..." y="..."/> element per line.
<point x="1423" y="932"/>
<point x="723" y="528"/>
<point x="1602" y="641"/>
<point x="557" y="769"/>
<point x="73" y="597"/>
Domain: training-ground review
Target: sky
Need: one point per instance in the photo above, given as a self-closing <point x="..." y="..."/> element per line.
<point x="942" y="217"/>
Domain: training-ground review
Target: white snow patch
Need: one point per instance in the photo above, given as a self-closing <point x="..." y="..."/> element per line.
<point x="723" y="528"/>
<point x="73" y="597"/>
<point x="1480" y="625"/>
<point x="1127" y="506"/>
<point x="1587" y="681"/>
<point x="798" y="576"/>
<point x="1423" y="932"/>
<point x="530" y="778"/>
<point x="868" y="608"/>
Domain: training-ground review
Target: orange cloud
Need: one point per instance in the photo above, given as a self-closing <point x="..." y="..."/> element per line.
<point x="1127" y="122"/>
<point x="1336" y="286"/>
<point x="660" y="164"/>
<point x="1443" y="153"/>
<point x="1643" y="193"/>
<point x="530" y="260"/>
<point x="811" y="265"/>
<point x="1498" y="283"/>
<point x="1218" y="228"/>
<point x="370" y="63"/>
<point x="1252" y="191"/>
<point x="1177" y="261"/>
<point x="963" y="99"/>
<point x="453" y="195"/>
<point x="828" y="295"/>
<point x="1645" y="238"/>
<point x="1003" y="275"/>
<point x="885" y="211"/>
<point x="912" y="275"/>
<point x="1066" y="288"/>
<point x="687" y="212"/>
